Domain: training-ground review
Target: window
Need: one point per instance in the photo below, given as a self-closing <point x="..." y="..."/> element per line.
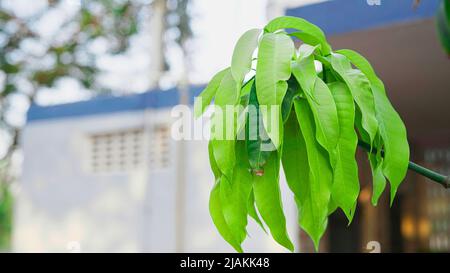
<point x="119" y="151"/>
<point x="159" y="147"/>
<point x="438" y="201"/>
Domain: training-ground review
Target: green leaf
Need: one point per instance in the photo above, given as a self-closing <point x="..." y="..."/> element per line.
<point x="306" y="38"/>
<point x="272" y="72"/>
<point x="443" y="25"/>
<point x="212" y="161"/>
<point x="376" y="161"/>
<point x="319" y="98"/>
<point x="235" y="194"/>
<point x="205" y="98"/>
<point x="315" y="197"/>
<point x="379" y="181"/>
<point x="345" y="189"/>
<point x="224" y="129"/>
<point x="295" y="161"/>
<point x="360" y="88"/>
<point x="241" y="62"/>
<point x="392" y="129"/>
<point x="288" y="101"/>
<point x="259" y="145"/>
<point x="289" y="22"/>
<point x="268" y="201"/>
<point x="252" y="211"/>
<point x="215" y="210"/>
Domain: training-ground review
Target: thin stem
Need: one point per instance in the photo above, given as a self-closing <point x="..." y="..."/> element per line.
<point x="432" y="175"/>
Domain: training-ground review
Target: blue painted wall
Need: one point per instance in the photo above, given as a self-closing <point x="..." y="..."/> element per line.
<point x="109" y="104"/>
<point x="342" y="16"/>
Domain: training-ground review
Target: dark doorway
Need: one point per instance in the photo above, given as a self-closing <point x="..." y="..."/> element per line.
<point x="395" y="216"/>
<point x="342" y="237"/>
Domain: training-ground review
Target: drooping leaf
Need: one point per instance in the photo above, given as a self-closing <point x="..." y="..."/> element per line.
<point x="392" y="128"/>
<point x="345" y="189"/>
<point x="224" y="125"/>
<point x="375" y="160"/>
<point x="205" y="98"/>
<point x="295" y="161"/>
<point x="272" y="72"/>
<point x="235" y="194"/>
<point x="289" y="22"/>
<point x="258" y="142"/>
<point x="306" y="38"/>
<point x="315" y="197"/>
<point x="241" y="61"/>
<point x="245" y="91"/>
<point x="295" y="158"/>
<point x="252" y="211"/>
<point x="268" y="201"/>
<point x="288" y="101"/>
<point x="360" y="88"/>
<point x="376" y="165"/>
<point x="215" y="210"/>
<point x="212" y="161"/>
<point x="319" y="98"/>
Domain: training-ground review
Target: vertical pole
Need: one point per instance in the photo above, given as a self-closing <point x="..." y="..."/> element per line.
<point x="183" y="90"/>
<point x="157" y="29"/>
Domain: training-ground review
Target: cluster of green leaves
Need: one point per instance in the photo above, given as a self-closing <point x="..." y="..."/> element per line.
<point x="327" y="99"/>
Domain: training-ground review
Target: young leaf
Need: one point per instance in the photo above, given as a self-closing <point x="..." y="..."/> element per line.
<point x="392" y="129"/>
<point x="361" y="92"/>
<point x="288" y="101"/>
<point x="272" y="72"/>
<point x="223" y="135"/>
<point x="252" y="211"/>
<point x="268" y="201"/>
<point x="235" y="194"/>
<point x="258" y="142"/>
<point x="289" y="22"/>
<point x="375" y="160"/>
<point x="212" y="161"/>
<point x="205" y="98"/>
<point x="295" y="161"/>
<point x="241" y="62"/>
<point x="379" y="181"/>
<point x="345" y="189"/>
<point x="315" y="197"/>
<point x="319" y="98"/>
<point x="215" y="210"/>
<point x="306" y="38"/>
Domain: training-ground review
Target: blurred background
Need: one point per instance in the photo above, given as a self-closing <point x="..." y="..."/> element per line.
<point x="87" y="162"/>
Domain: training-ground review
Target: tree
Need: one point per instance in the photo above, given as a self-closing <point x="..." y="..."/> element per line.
<point x="31" y="60"/>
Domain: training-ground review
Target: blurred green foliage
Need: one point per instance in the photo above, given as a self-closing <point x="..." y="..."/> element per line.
<point x="443" y="25"/>
<point x="5" y="217"/>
